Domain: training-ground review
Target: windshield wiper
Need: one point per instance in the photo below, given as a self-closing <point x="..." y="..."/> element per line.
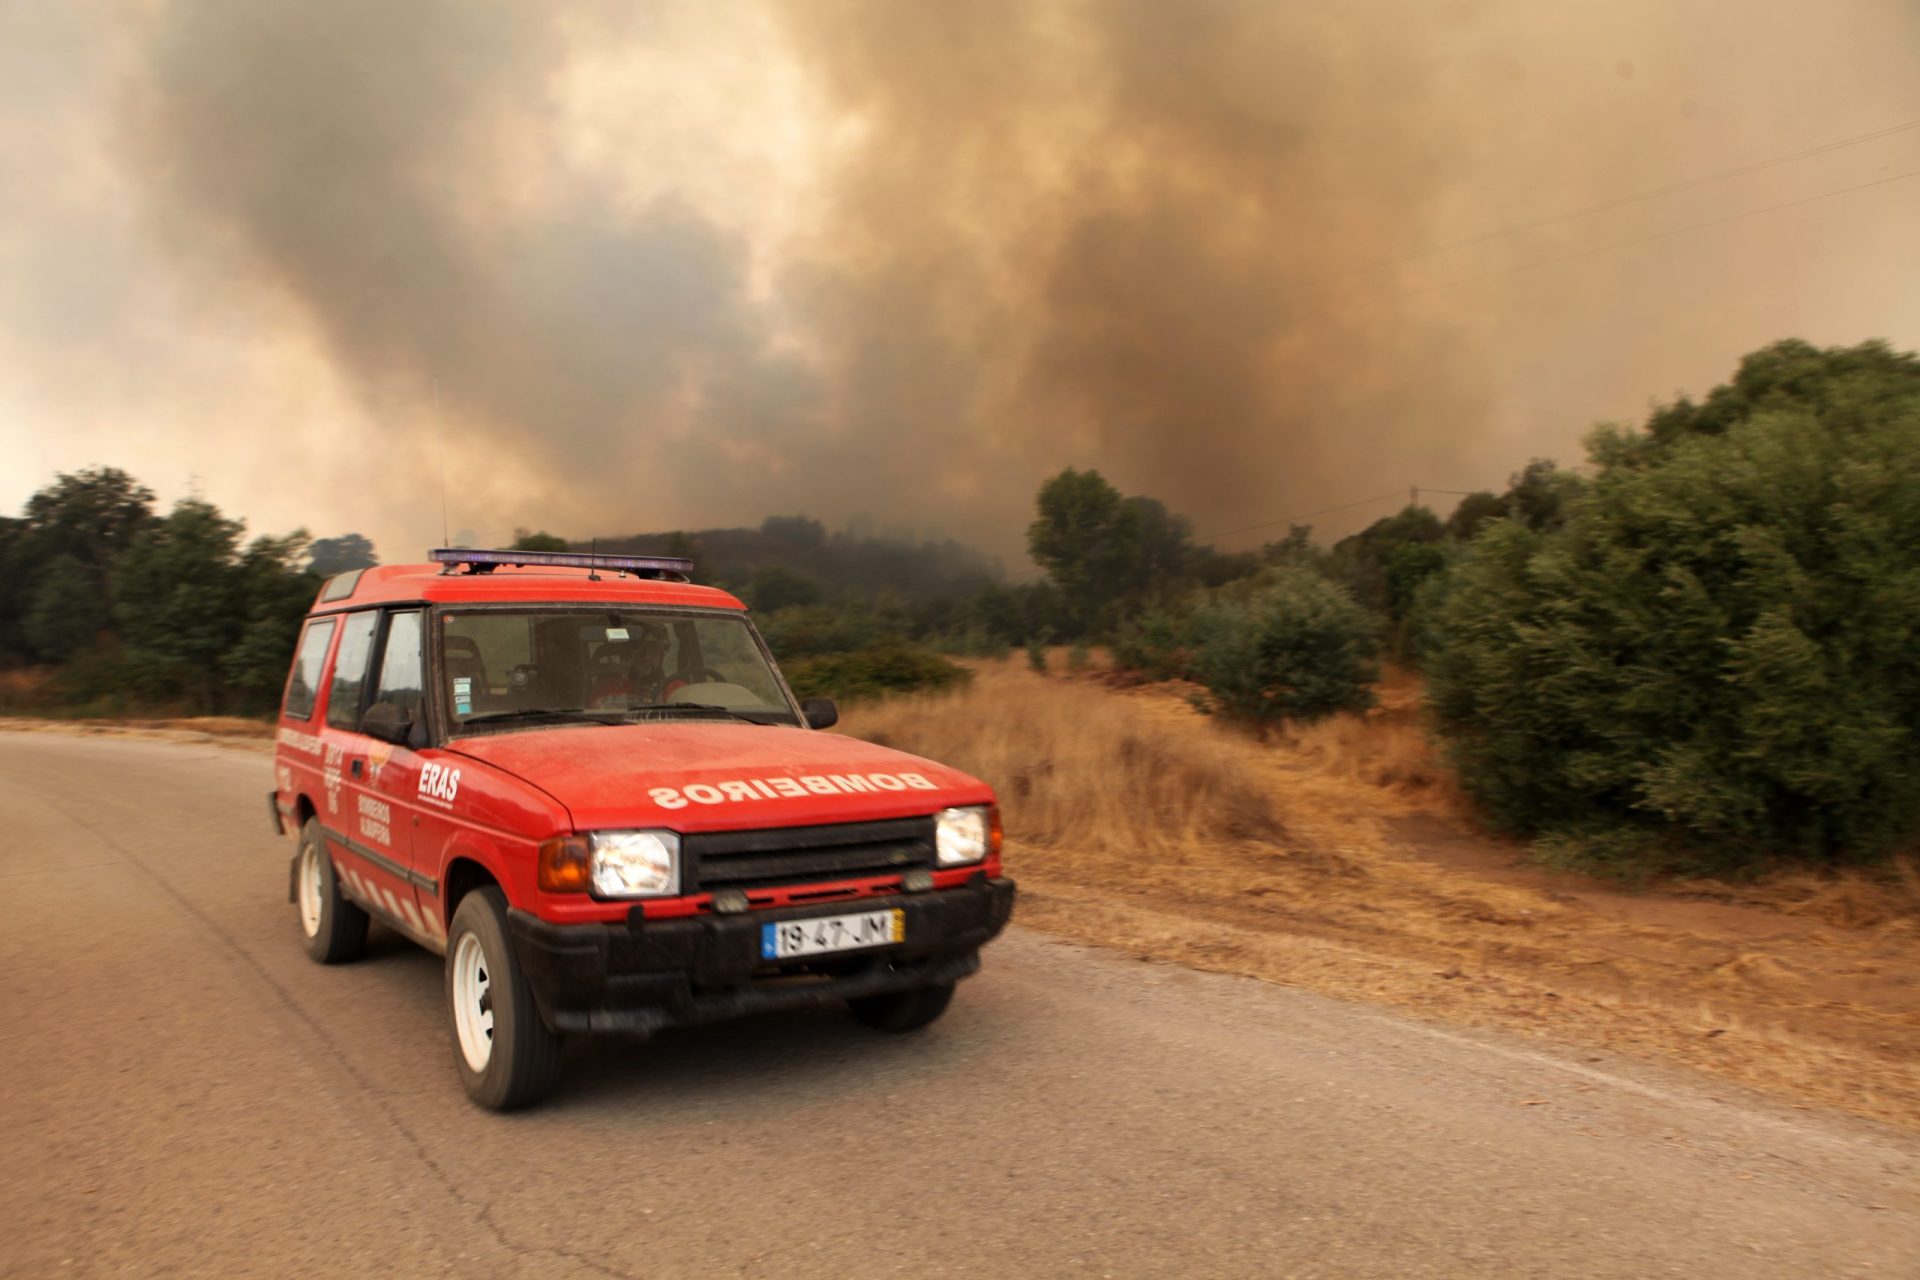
<point x="531" y="713"/>
<point x="695" y="706"/>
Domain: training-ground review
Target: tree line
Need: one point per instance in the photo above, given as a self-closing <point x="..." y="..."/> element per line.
<point x="1693" y="652"/>
<point x="131" y="610"/>
<point x="1696" y="653"/>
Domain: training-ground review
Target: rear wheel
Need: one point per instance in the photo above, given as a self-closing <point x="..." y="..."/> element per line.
<point x="335" y="929"/>
<point x="507" y="1056"/>
<point x="903" y="1010"/>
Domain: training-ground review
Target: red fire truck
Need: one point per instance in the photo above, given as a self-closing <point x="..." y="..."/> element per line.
<point x="582" y="779"/>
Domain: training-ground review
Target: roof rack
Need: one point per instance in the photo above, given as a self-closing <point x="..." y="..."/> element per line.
<point x="663" y="568"/>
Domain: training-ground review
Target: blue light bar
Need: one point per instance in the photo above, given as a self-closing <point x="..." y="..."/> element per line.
<point x="488" y="561"/>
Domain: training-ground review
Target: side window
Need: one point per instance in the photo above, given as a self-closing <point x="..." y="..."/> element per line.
<point x="304" y="684"/>
<point x="350" y="671"/>
<point x="402" y="681"/>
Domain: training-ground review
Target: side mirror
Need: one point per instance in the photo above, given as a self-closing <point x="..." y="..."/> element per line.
<point x="389" y="722"/>
<point x="820" y="713"/>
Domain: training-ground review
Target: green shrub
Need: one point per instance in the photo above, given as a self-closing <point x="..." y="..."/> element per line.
<point x="1296" y="648"/>
<point x="970" y="642"/>
<point x="1037" y="655"/>
<point x="1155" y="646"/>
<point x="810" y="630"/>
<point x="875" y="672"/>
<point x="1711" y="663"/>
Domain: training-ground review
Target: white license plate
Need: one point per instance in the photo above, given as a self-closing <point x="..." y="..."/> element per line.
<point x="791" y="938"/>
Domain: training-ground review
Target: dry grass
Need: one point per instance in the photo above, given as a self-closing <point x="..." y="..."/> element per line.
<point x="1077" y="771"/>
<point x="234" y="731"/>
<point x="1340" y="856"/>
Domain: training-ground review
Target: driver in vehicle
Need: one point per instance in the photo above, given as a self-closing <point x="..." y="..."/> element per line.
<point x="630" y="672"/>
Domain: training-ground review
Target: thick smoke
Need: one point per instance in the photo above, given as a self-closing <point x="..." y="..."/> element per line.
<point x="1137" y="235"/>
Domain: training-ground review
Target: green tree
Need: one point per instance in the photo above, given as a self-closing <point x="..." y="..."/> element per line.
<point x="1166" y="552"/>
<point x="1539" y="493"/>
<point x="65" y="610"/>
<point x="776" y="588"/>
<point x="1297" y="648"/>
<point x="1787" y="374"/>
<point x="276" y="593"/>
<point x="802" y="533"/>
<point x="179" y="597"/>
<point x="349" y="551"/>
<point x="1087" y="537"/>
<point x="93" y="515"/>
<point x="1384" y="564"/>
<point x="530" y="540"/>
<point x="1473" y="511"/>
<point x="1709" y="662"/>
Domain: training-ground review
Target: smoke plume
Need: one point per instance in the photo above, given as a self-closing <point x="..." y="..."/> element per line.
<point x="1167" y="240"/>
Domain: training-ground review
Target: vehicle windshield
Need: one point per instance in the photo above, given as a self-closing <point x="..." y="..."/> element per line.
<point x="549" y="667"/>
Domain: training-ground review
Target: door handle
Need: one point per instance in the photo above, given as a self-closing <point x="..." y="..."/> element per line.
<point x="356" y="767"/>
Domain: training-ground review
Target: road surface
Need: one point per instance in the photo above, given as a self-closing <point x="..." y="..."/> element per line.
<point x="186" y="1094"/>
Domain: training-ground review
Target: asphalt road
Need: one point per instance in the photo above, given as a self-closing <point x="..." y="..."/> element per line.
<point x="183" y="1093"/>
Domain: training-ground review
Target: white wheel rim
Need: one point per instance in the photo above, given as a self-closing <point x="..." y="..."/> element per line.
<point x="310" y="890"/>
<point x="473" y="1002"/>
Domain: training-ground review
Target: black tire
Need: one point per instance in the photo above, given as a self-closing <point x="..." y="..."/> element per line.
<point x="338" y="933"/>
<point x="523" y="1063"/>
<point x="903" y="1010"/>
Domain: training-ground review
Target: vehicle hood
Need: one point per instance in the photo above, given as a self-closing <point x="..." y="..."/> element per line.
<point x="705" y="776"/>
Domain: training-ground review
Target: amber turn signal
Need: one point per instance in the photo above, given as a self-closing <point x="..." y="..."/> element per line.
<point x="563" y="865"/>
<point x="993" y="831"/>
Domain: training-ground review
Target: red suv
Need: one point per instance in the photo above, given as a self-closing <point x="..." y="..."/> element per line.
<point x="583" y="781"/>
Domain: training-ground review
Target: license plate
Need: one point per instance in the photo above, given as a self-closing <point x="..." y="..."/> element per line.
<point x="792" y="938"/>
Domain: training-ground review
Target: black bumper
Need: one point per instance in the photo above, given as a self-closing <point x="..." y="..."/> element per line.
<point x="638" y="977"/>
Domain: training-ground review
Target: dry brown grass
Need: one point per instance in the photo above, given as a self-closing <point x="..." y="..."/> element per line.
<point x="234" y="731"/>
<point x="1340" y="856"/>
<point x="1076" y="769"/>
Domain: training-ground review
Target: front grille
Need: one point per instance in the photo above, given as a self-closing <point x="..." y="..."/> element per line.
<point x="798" y="855"/>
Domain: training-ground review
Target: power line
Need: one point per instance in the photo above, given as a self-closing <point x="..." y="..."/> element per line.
<point x="1637" y="240"/>
<point x="1307" y="515"/>
<point x="1637" y="197"/>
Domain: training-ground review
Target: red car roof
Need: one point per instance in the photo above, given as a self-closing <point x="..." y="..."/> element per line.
<point x="405" y="583"/>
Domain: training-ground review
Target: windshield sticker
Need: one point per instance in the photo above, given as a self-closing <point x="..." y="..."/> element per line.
<point x="832" y="784"/>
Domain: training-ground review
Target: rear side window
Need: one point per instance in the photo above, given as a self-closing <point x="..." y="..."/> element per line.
<point x="304" y="684"/>
<point x="350" y="671"/>
<point x="402" y="681"/>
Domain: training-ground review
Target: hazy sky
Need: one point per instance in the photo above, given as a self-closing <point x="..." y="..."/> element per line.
<point x="610" y="267"/>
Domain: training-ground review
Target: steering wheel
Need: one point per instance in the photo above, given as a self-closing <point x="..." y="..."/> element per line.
<point x="690" y="675"/>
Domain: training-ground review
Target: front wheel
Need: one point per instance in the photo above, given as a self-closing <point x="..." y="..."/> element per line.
<point x="507" y="1056"/>
<point x="335" y="929"/>
<point x="903" y="1010"/>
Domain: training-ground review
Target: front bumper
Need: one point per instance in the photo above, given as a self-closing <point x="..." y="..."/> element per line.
<point x="641" y="976"/>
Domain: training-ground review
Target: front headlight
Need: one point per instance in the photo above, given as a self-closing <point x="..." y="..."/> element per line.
<point x="634" y="864"/>
<point x="964" y="835"/>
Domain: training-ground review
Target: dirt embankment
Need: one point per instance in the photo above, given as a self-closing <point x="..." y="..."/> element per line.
<point x="1340" y="858"/>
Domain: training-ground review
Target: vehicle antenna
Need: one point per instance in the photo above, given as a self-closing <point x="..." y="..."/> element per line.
<point x="445" y="526"/>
